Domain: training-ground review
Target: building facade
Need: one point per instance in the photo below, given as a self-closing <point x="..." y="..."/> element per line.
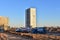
<point x="4" y="22"/>
<point x="31" y="17"/>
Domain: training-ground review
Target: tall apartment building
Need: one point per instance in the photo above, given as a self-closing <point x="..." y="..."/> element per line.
<point x="4" y="22"/>
<point x="31" y="17"/>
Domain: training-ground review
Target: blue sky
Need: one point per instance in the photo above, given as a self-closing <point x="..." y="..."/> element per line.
<point x="48" y="11"/>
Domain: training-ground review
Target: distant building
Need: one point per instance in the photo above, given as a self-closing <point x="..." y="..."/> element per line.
<point x="4" y="22"/>
<point x="31" y="17"/>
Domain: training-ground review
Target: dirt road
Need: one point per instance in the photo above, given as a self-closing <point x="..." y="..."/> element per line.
<point x="14" y="37"/>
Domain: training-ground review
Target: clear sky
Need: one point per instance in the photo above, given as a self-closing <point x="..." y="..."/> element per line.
<point x="48" y="11"/>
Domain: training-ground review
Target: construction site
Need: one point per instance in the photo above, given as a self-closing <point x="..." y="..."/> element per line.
<point x="30" y="31"/>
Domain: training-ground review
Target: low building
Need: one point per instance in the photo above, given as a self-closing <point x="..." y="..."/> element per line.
<point x="4" y="21"/>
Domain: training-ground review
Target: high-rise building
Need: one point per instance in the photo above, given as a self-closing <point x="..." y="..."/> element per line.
<point x="31" y="17"/>
<point x="4" y="22"/>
